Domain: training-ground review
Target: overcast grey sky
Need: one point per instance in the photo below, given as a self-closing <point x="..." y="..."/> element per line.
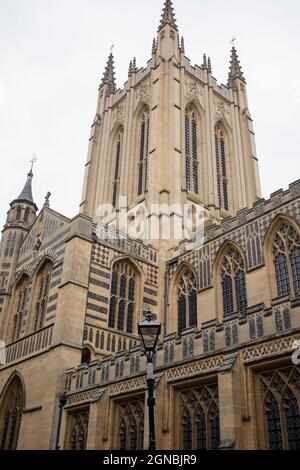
<point x="52" y="57"/>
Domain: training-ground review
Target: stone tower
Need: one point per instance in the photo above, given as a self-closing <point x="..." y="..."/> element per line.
<point x="172" y="135"/>
<point x="20" y="218"/>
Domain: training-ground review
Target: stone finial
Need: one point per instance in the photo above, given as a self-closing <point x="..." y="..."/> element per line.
<point x="235" y="70"/>
<point x="47" y="199"/>
<point x="204" y="61"/>
<point x="168" y="16"/>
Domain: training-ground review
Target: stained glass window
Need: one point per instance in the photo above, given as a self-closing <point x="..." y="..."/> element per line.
<point x="200" y="428"/>
<point x="122" y="301"/>
<point x="234" y="290"/>
<point x="131" y="425"/>
<point x="41" y="294"/>
<point x="11" y="414"/>
<point x="281" y="408"/>
<point x="286" y="255"/>
<point x="187" y="301"/>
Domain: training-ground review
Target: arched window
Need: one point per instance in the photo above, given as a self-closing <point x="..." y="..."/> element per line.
<point x="221" y="162"/>
<point x="11" y="414"/>
<point x="281" y="398"/>
<point x="286" y="256"/>
<point x="41" y="292"/>
<point x="78" y="430"/>
<point x="19" y="303"/>
<point x="26" y="215"/>
<point x="18" y="214"/>
<point x="187" y="301"/>
<point x="117" y="157"/>
<point x="233" y="275"/>
<point x="123" y="297"/>
<point x="144" y="133"/>
<point x="191" y="150"/>
<point x="131" y="425"/>
<point x="200" y="418"/>
<point x="85" y="356"/>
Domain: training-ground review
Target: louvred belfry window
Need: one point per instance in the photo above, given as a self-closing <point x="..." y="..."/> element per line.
<point x="221" y="165"/>
<point x="191" y="151"/>
<point x="144" y="135"/>
<point x="187" y="301"/>
<point x="286" y="255"/>
<point x="233" y="276"/>
<point x="117" y="156"/>
<point x="123" y="297"/>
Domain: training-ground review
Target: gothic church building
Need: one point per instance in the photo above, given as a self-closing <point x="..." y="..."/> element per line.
<point x="230" y="309"/>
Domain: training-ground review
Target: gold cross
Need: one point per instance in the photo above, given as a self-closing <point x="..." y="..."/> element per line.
<point x="233" y="41"/>
<point x="33" y="161"/>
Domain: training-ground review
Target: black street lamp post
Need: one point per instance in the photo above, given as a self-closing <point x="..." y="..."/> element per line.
<point x="149" y="331"/>
<point x="62" y="404"/>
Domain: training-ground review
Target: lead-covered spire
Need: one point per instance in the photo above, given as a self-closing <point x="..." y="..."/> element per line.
<point x="168" y="16"/>
<point x="26" y="193"/>
<point x="109" y="74"/>
<point x="235" y="70"/>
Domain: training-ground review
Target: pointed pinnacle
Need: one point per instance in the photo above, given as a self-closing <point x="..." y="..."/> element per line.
<point x="168" y="16"/>
<point x="134" y="68"/>
<point x="209" y="65"/>
<point x="204" y="61"/>
<point x="182" y="45"/>
<point x="109" y="74"/>
<point x="154" y="46"/>
<point x="235" y="70"/>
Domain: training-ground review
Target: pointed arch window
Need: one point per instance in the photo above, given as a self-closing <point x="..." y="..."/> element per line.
<point x="187" y="300"/>
<point x="191" y="150"/>
<point x="11" y="414"/>
<point x="117" y="157"/>
<point x="131" y="425"/>
<point x="18" y="214"/>
<point x="200" y="418"/>
<point x="281" y="398"/>
<point x="123" y="297"/>
<point x="233" y="274"/>
<point x="42" y="287"/>
<point x="19" y="304"/>
<point x="78" y="430"/>
<point x="286" y="256"/>
<point x="144" y="134"/>
<point x="26" y="215"/>
<point x="221" y="164"/>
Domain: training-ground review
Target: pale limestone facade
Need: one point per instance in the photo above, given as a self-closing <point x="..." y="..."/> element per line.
<point x="229" y="309"/>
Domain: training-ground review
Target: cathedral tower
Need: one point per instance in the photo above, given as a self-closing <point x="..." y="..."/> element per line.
<point x="172" y="135"/>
